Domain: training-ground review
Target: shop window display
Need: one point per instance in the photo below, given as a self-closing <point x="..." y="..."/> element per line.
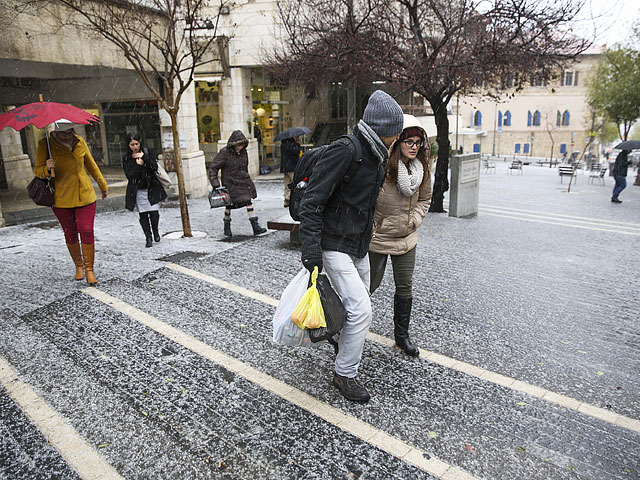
<point x="208" y="108"/>
<point x="271" y="115"/>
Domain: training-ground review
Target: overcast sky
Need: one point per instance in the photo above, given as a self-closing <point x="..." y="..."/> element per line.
<point x="610" y="19"/>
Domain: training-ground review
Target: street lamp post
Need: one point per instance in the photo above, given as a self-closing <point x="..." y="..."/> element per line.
<point x="495" y="127"/>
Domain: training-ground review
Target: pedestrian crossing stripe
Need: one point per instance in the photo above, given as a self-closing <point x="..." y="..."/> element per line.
<point x="76" y="451"/>
<point x="448" y="362"/>
<point x="354" y="426"/>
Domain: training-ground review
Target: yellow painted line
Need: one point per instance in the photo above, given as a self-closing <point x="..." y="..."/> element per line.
<point x="75" y="450"/>
<point x="570" y="222"/>
<point x="479" y="372"/>
<point x="372" y="435"/>
<point x="562" y="224"/>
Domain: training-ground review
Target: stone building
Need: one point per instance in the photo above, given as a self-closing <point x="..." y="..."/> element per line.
<point x="542" y="120"/>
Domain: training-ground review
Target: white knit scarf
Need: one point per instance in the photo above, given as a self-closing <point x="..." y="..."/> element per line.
<point x="409" y="180"/>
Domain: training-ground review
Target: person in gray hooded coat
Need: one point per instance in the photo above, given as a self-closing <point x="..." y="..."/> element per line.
<point x="233" y="162"/>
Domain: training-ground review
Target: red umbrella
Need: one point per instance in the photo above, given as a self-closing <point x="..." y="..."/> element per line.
<point x="42" y="114"/>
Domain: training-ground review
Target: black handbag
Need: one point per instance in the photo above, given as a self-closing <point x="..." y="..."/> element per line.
<point x="334" y="313"/>
<point x="41" y="191"/>
<point x="219" y="197"/>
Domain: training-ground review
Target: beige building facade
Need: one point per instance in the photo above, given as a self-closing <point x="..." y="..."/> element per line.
<point x="541" y="121"/>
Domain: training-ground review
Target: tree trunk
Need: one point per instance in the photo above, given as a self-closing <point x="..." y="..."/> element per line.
<point x="184" y="210"/>
<point x="441" y="181"/>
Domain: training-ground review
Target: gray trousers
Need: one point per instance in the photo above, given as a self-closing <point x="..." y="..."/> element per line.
<point x="403" y="266"/>
<point x="349" y="276"/>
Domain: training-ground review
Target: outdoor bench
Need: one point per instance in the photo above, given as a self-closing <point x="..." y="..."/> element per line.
<point x="515" y="165"/>
<point x="487" y="165"/>
<point x="599" y="174"/>
<point x="288" y="224"/>
<point x="566" y="171"/>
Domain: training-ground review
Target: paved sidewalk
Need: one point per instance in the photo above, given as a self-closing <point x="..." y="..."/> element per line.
<point x="526" y="316"/>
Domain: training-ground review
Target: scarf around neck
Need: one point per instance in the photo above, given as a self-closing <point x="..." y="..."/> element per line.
<point x="377" y="147"/>
<point x="409" y="180"/>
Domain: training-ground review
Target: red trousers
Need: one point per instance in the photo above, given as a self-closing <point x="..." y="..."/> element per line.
<point x="78" y="220"/>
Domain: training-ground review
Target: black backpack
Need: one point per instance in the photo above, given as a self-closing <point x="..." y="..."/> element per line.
<point x="304" y="170"/>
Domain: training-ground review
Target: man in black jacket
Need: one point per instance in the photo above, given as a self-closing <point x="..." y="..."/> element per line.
<point x="336" y="226"/>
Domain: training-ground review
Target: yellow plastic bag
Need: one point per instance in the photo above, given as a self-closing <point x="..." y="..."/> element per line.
<point x="308" y="313"/>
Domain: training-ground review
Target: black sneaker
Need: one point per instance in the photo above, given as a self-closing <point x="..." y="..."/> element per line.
<point x="615" y="200"/>
<point x="351" y="389"/>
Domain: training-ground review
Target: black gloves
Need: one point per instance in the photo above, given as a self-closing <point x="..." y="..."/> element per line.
<point x="311" y="262"/>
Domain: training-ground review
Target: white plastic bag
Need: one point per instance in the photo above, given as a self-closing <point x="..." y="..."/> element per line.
<point x="285" y="332"/>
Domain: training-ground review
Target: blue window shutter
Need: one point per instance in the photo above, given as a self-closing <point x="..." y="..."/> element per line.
<point x="476" y="148"/>
<point x="529" y="118"/>
<point x="517" y="148"/>
<point x="536" y="119"/>
<point x="479" y="118"/>
<point x="507" y="119"/>
<point x="499" y="118"/>
<point x="558" y="119"/>
<point x="526" y="148"/>
<point x="565" y="118"/>
<point x="563" y="148"/>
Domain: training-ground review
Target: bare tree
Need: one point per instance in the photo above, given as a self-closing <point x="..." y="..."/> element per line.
<point x="437" y="48"/>
<point x="164" y="40"/>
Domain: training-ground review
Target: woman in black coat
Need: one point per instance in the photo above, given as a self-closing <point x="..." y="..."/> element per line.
<point x="144" y="191"/>
<point x="233" y="161"/>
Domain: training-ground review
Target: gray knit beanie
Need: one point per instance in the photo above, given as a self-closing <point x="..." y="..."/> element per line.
<point x="383" y="114"/>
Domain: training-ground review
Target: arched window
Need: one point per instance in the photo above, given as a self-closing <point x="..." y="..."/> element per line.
<point x="565" y="118"/>
<point x="529" y="118"/>
<point x="507" y="118"/>
<point x="477" y="119"/>
<point x="536" y="119"/>
<point x="558" y="119"/>
<point x="499" y="118"/>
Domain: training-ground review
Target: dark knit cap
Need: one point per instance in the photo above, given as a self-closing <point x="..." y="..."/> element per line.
<point x="383" y="114"/>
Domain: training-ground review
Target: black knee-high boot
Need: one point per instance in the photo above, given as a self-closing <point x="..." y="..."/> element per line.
<point x="401" y="316"/>
<point x="227" y="224"/>
<point x="146" y="228"/>
<point x="155" y="221"/>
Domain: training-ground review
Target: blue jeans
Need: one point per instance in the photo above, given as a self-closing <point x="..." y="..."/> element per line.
<point x="621" y="184"/>
<point x="349" y="276"/>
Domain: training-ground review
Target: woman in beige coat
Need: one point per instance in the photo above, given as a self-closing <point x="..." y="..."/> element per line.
<point x="402" y="205"/>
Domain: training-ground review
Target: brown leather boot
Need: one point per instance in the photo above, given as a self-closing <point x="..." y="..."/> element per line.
<point x="88" y="252"/>
<point x="76" y="254"/>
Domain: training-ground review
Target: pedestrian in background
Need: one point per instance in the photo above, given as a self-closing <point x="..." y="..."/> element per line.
<point x="144" y="191"/>
<point x="74" y="200"/>
<point x="337" y="224"/>
<point x="402" y="205"/>
<point x="620" y="174"/>
<point x="290" y="154"/>
<point x="233" y="162"/>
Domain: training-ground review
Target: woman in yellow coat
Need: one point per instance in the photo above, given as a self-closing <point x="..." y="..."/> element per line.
<point x="402" y="205"/>
<point x="74" y="200"/>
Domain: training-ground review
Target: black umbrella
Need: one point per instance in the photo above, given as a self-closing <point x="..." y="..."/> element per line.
<point x="291" y="133"/>
<point x="629" y="145"/>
